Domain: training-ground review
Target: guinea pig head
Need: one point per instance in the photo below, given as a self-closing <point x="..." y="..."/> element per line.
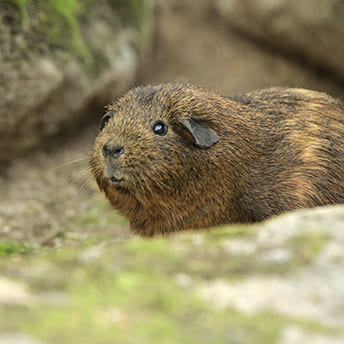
<point x="153" y="154"/>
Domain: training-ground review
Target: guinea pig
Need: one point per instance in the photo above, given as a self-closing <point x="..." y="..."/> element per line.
<point x="174" y="156"/>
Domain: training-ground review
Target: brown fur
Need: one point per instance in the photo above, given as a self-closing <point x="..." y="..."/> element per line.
<point x="279" y="149"/>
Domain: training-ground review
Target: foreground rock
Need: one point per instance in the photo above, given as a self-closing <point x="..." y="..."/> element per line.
<point x="58" y="61"/>
<point x="279" y="282"/>
<point x="304" y="29"/>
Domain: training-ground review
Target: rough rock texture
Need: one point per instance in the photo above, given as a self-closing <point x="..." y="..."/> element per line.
<point x="312" y="31"/>
<point x="277" y="282"/>
<point x="59" y="59"/>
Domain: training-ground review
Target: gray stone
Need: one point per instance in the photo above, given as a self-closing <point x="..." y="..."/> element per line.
<point x="313" y="292"/>
<point x="15" y="293"/>
<point x="17" y="339"/>
<point x="312" y="30"/>
<point x="297" y="335"/>
<point x="47" y="88"/>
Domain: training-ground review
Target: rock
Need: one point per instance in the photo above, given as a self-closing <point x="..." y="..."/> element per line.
<point x="14" y="293"/>
<point x="58" y="63"/>
<point x="297" y="335"/>
<point x="279" y="282"/>
<point x="311" y="31"/>
<point x="314" y="292"/>
<point x="17" y="339"/>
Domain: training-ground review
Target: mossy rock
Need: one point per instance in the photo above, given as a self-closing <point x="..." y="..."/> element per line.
<point x="193" y="287"/>
<point x="61" y="59"/>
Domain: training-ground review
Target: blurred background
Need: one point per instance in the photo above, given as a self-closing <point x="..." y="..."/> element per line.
<point x="62" y="61"/>
<point x="69" y="274"/>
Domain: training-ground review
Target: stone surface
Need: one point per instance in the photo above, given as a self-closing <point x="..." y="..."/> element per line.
<point x="315" y="292"/>
<point x="14" y="293"/>
<point x="52" y="81"/>
<point x="17" y="339"/>
<point x="277" y="282"/>
<point x="297" y="335"/>
<point x="312" y="31"/>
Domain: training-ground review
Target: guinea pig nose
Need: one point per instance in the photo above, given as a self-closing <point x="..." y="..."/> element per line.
<point x="112" y="150"/>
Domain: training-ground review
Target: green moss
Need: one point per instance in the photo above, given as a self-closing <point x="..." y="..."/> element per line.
<point x="307" y="246"/>
<point x="60" y="20"/>
<point x="231" y="231"/>
<point x="134" y="13"/>
<point x="131" y="11"/>
<point x="22" y="6"/>
<point x="12" y="248"/>
<point x="60" y="24"/>
<point x="132" y="306"/>
<point x="100" y="215"/>
<point x="53" y="22"/>
<point x="131" y="293"/>
<point x="66" y="12"/>
<point x="213" y="249"/>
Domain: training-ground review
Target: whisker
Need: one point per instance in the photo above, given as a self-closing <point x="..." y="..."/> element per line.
<point x="83" y="172"/>
<point x="79" y="175"/>
<point x="68" y="163"/>
<point x="96" y="170"/>
<point x="85" y="183"/>
<point x="82" y="178"/>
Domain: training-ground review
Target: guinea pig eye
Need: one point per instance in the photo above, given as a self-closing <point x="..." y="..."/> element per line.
<point x="105" y="119"/>
<point x="160" y="128"/>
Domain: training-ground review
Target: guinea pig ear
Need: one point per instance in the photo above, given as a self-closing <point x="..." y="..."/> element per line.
<point x="204" y="137"/>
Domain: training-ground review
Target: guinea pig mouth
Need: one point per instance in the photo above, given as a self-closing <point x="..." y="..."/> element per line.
<point x="115" y="179"/>
<point x="114" y="176"/>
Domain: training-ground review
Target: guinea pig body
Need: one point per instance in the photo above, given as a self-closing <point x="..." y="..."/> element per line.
<point x="174" y="156"/>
